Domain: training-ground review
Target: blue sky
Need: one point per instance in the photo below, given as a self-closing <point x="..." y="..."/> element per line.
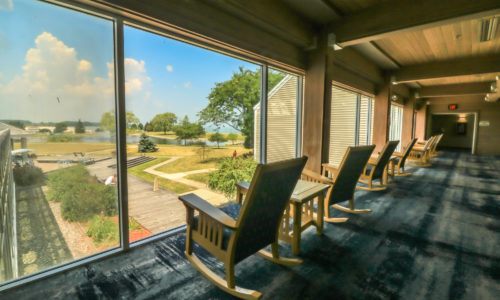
<point x="55" y="64"/>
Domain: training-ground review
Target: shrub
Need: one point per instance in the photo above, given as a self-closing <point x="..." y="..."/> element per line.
<point x="230" y="172"/>
<point x="28" y="175"/>
<point x="60" y="127"/>
<point x="146" y="145"/>
<point x="44" y="130"/>
<point x="61" y="138"/>
<point x="103" y="229"/>
<point x="82" y="196"/>
<point x="99" y="129"/>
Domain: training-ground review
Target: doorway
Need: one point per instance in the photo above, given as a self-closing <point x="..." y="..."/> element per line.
<point x="460" y="131"/>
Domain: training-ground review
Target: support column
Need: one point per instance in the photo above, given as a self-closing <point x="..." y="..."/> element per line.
<point x="408" y="122"/>
<point x="24" y="143"/>
<point x="381" y="116"/>
<point x="314" y="96"/>
<point x="420" y="120"/>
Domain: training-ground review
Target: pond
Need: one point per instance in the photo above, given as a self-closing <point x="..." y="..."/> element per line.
<point x="131" y="139"/>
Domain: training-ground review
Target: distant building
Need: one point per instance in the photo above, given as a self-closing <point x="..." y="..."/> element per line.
<point x="281" y="121"/>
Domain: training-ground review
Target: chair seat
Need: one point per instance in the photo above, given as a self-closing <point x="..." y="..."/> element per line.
<point x="232" y="210"/>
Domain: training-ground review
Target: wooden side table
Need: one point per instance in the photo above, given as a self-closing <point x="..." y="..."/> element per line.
<point x="301" y="210"/>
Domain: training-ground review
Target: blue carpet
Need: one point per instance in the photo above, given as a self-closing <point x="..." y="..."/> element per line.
<point x="435" y="235"/>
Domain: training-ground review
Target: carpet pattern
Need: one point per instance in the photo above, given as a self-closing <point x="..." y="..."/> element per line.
<point x="434" y="235"/>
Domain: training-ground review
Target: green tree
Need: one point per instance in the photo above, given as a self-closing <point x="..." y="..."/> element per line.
<point x="79" y="127"/>
<point x="16" y="123"/>
<point x="217" y="138"/>
<point x="187" y="130"/>
<point x="164" y="122"/>
<point x="146" y="145"/>
<point x="60" y="127"/>
<point x="229" y="173"/>
<point x="231" y="102"/>
<point x="108" y="120"/>
<point x="233" y="137"/>
<point x="148" y="127"/>
<point x="140" y="126"/>
<point x="133" y="126"/>
<point x="131" y="119"/>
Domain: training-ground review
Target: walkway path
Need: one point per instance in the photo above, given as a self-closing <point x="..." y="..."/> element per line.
<point x="202" y="190"/>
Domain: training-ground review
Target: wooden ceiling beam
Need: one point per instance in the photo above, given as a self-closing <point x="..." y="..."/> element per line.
<point x="396" y="16"/>
<point x="450" y="90"/>
<point x="450" y="68"/>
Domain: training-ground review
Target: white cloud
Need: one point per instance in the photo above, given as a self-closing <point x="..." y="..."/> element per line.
<point x="6" y="5"/>
<point x="53" y="70"/>
<point x="170" y="68"/>
<point x="187" y="85"/>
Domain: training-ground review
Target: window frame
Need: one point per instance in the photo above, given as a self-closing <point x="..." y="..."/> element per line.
<point x="169" y="31"/>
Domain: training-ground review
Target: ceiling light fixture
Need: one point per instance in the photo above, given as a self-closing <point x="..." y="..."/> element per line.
<point x="393" y="80"/>
<point x="488" y="29"/>
<point x="493" y="87"/>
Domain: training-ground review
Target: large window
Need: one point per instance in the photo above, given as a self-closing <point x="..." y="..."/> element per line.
<point x="57" y="81"/>
<point x="103" y="124"/>
<point x="350" y="124"/>
<point x="283" y="101"/>
<point x="396" y="124"/>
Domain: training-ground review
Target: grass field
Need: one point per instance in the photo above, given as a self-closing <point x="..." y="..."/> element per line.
<point x="195" y="161"/>
<point x="170" y="185"/>
<point x="202" y="177"/>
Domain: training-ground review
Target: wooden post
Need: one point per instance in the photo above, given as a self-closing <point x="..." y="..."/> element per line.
<point x="155" y="185"/>
<point x="381" y="116"/>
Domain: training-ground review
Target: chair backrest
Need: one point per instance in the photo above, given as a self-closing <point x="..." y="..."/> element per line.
<point x="429" y="142"/>
<point x="348" y="173"/>
<point x="383" y="158"/>
<point x="436" y="142"/>
<point x="406" y="153"/>
<point x="268" y="195"/>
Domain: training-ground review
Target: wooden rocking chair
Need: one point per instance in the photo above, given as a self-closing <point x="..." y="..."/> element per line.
<point x="433" y="152"/>
<point x="256" y="227"/>
<point x="401" y="159"/>
<point x="343" y="181"/>
<point x="420" y="156"/>
<point x="377" y="169"/>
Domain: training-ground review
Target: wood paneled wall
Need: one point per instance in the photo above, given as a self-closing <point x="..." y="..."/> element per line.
<point x="407" y="130"/>
<point x="488" y="139"/>
<point x="420" y="121"/>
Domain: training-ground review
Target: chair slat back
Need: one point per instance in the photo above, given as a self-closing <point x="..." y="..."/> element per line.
<point x="268" y="195"/>
<point x="407" y="152"/>
<point x="383" y="158"/>
<point x="348" y="173"/>
<point x="429" y="143"/>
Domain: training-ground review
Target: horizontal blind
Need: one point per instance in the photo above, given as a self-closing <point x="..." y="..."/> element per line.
<point x="342" y="124"/>
<point x="363" y="126"/>
<point x="396" y="125"/>
<point x="282" y="119"/>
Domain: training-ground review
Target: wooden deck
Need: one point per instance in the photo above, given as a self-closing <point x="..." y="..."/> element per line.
<point x="157" y="211"/>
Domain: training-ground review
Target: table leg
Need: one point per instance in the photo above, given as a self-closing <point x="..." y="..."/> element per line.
<point x="319" y="214"/>
<point x="297" y="224"/>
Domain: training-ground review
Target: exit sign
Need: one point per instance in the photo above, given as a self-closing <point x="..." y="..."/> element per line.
<point x="452" y="107"/>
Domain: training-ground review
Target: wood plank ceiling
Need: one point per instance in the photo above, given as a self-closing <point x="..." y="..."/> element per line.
<point x="427" y="41"/>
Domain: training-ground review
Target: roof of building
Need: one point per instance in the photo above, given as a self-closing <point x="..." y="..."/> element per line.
<point x="14" y="131"/>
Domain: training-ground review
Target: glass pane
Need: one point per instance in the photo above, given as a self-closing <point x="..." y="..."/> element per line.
<point x="342" y="124"/>
<point x="281" y="115"/>
<point x="190" y="115"/>
<point x="365" y="116"/>
<point x="396" y="125"/>
<point x="58" y="194"/>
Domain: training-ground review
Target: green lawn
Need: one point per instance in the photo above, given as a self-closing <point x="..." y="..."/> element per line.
<point x="201" y="177"/>
<point x="170" y="185"/>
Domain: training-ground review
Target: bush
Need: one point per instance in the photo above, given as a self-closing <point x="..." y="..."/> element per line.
<point x="103" y="229"/>
<point x="62" y="138"/>
<point x="28" y="175"/>
<point x="146" y="145"/>
<point x="230" y="172"/>
<point x="44" y="130"/>
<point x="82" y="196"/>
<point x="99" y="129"/>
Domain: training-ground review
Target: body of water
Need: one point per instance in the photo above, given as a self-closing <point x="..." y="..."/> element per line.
<point x="131" y="139"/>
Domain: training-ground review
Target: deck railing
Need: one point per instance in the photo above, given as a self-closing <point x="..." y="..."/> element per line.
<point x="8" y="239"/>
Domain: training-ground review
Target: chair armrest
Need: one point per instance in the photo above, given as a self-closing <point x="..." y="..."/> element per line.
<point x="372" y="161"/>
<point x="397" y="154"/>
<point x="316" y="177"/>
<point x="244" y="186"/>
<point x="197" y="203"/>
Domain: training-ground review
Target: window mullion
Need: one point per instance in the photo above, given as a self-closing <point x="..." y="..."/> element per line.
<point x="121" y="128"/>
<point x="263" y="114"/>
